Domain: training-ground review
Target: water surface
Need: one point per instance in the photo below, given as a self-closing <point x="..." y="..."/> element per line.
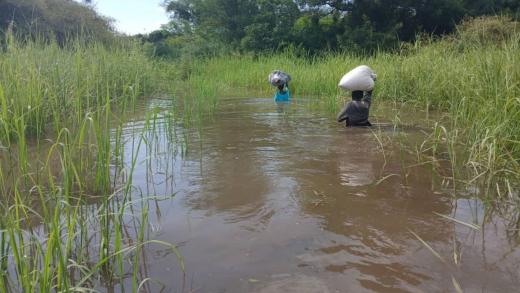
<point x="278" y="198"/>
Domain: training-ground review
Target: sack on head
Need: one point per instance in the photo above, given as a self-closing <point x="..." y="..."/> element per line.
<point x="360" y="78"/>
<point x="278" y="77"/>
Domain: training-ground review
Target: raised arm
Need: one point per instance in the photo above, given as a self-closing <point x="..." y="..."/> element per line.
<point x="367" y="97"/>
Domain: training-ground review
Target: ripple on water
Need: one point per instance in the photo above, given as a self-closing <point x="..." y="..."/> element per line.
<point x="271" y="201"/>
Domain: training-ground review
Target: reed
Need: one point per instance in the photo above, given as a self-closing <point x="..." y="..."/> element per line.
<point x="67" y="202"/>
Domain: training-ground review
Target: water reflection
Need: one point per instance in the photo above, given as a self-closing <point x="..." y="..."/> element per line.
<point x="282" y="107"/>
<point x="274" y="197"/>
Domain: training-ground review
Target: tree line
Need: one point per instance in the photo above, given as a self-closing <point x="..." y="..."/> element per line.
<point x="313" y="26"/>
<point x="212" y="27"/>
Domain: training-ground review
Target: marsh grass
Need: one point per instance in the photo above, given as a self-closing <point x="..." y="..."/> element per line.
<point x="67" y="200"/>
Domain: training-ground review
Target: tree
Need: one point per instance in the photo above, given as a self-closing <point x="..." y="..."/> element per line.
<point x="272" y="25"/>
<point x="382" y="24"/>
<point x="216" y="20"/>
<point x="324" y="25"/>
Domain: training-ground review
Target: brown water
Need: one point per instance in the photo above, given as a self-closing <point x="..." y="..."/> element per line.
<point x="270" y="198"/>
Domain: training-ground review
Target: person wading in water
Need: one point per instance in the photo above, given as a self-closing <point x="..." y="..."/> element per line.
<point x="280" y="80"/>
<point x="355" y="112"/>
<point x="360" y="81"/>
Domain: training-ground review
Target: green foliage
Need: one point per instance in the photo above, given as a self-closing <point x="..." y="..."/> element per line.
<point x="65" y="198"/>
<point x="184" y="46"/>
<point x="365" y="39"/>
<point x="487" y="30"/>
<point x="47" y="85"/>
<point x="54" y="19"/>
<point x="320" y="26"/>
<point x="316" y="33"/>
<point x="486" y="7"/>
<point x="214" y="20"/>
<point x="271" y="26"/>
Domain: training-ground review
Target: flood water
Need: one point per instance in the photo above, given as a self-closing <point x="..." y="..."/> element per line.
<point x="279" y="198"/>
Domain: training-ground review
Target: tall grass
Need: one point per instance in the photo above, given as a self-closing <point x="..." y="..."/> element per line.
<point x="47" y="92"/>
<point x="57" y="153"/>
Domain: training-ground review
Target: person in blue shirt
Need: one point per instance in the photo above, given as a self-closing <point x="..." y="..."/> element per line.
<point x="282" y="94"/>
<point x="280" y="80"/>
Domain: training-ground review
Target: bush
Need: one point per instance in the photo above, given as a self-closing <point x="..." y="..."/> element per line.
<point x="487" y="30"/>
<point x="58" y="20"/>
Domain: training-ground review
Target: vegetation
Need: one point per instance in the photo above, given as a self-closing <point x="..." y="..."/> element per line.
<point x="57" y="20"/>
<point x="211" y="27"/>
<point x="66" y="83"/>
<point x="59" y="106"/>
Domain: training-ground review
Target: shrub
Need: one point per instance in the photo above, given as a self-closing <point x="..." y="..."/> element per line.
<point x="487" y="30"/>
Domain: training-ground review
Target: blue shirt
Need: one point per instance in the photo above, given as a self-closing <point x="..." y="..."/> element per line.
<point x="282" y="97"/>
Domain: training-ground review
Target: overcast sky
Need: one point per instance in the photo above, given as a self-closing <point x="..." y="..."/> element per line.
<point x="133" y="16"/>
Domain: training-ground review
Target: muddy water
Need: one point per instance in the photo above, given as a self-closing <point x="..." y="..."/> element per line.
<point x="267" y="198"/>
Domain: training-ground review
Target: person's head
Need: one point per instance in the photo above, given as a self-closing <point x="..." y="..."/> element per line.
<point x="357" y="95"/>
<point x="281" y="87"/>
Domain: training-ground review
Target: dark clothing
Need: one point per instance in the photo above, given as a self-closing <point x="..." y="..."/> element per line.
<point x="357" y="95"/>
<point x="355" y="112"/>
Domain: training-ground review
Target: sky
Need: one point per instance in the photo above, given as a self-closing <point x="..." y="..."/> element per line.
<point x="133" y="16"/>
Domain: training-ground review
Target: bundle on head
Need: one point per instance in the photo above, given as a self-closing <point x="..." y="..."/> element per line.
<point x="278" y="78"/>
<point x="360" y="78"/>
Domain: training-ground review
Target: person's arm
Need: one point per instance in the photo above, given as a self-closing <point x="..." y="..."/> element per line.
<point x="342" y="115"/>
<point x="367" y="97"/>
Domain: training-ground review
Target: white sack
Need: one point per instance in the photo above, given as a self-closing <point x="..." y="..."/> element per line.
<point x="360" y="78"/>
<point x="278" y="77"/>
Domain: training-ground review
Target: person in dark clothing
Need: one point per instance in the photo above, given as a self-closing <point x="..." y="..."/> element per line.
<point x="355" y="112"/>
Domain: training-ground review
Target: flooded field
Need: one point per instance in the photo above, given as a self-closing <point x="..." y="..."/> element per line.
<point x="278" y="198"/>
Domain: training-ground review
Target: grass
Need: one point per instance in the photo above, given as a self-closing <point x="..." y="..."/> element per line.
<point x="66" y="209"/>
